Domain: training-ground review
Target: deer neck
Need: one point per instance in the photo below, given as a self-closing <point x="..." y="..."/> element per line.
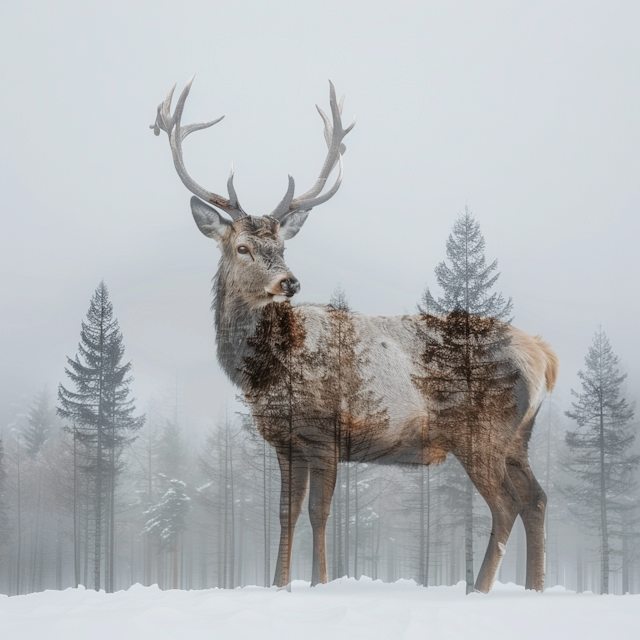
<point x="235" y="323"/>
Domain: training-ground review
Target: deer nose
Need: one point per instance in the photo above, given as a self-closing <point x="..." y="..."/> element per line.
<point x="289" y="286"/>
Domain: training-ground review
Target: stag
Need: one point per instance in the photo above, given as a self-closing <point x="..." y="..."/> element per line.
<point x="252" y="291"/>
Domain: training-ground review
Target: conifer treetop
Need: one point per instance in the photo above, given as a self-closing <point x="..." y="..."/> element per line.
<point x="601" y="386"/>
<point x="102" y="382"/>
<point x="40" y="419"/>
<point x="467" y="281"/>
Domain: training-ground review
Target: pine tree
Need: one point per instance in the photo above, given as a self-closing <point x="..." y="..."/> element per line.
<point x="40" y="421"/>
<point x="102" y="415"/>
<point x="463" y="332"/>
<point x="600" y="455"/>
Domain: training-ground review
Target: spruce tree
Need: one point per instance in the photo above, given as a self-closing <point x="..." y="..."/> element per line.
<point x="467" y="282"/>
<point x="40" y="422"/>
<point x="464" y="332"/>
<point x="102" y="414"/>
<point x="600" y="451"/>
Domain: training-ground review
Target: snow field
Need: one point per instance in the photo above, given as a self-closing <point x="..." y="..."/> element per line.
<point x="344" y="608"/>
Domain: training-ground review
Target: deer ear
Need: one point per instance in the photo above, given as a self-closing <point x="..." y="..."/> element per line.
<point x="290" y="226"/>
<point x="209" y="221"/>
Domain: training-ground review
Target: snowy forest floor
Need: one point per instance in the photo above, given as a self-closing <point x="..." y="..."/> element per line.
<point x="342" y="609"/>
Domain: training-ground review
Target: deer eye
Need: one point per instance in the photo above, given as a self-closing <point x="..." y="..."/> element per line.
<point x="243" y="249"/>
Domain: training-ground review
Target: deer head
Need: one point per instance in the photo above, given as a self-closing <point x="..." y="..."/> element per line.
<point x="252" y="247"/>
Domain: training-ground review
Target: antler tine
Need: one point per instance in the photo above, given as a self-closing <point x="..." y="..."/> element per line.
<point x="333" y="135"/>
<point x="280" y="212"/>
<point x="171" y="124"/>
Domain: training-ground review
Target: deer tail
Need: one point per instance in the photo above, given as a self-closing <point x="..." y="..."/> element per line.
<point x="551" y="363"/>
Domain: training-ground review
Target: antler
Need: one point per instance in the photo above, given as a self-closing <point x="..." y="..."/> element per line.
<point x="333" y="134"/>
<point x="177" y="133"/>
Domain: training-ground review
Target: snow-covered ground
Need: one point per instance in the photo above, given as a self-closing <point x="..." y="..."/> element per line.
<point x="342" y="609"/>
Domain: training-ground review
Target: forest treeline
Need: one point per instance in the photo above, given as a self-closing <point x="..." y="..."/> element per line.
<point x="95" y="492"/>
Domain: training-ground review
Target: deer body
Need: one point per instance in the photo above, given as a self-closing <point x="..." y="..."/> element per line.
<point x="252" y="291"/>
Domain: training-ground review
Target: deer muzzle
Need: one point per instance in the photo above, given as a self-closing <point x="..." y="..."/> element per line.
<point x="290" y="286"/>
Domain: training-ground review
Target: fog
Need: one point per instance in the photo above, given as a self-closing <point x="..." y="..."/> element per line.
<point x="528" y="113"/>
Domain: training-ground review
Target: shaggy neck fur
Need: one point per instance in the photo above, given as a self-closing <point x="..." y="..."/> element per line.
<point x="253" y="343"/>
<point x="235" y="323"/>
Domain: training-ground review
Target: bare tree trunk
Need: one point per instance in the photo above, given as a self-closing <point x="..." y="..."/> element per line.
<point x="36" y="536"/>
<point x="232" y="534"/>
<point x="468" y="537"/>
<point x="97" y="543"/>
<point x="520" y="552"/>
<point x="579" y="570"/>
<point x="376" y="552"/>
<point x="356" y="515"/>
<point x="204" y="582"/>
<point x="266" y="513"/>
<point x="112" y="510"/>
<point x="604" y="577"/>
<point x="175" y="574"/>
<point x="59" y="556"/>
<point x="240" y="564"/>
<point x="391" y="560"/>
<point x="225" y="548"/>
<point x="19" y="523"/>
<point x="425" y="524"/>
<point x="97" y="560"/>
<point x="339" y="514"/>
<point x="76" y="515"/>
<point x="86" y="540"/>
<point x="625" y="560"/>
<point x="347" y="518"/>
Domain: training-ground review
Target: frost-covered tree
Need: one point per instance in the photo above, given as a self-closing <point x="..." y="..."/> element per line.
<point x="600" y="450"/>
<point x="462" y="329"/>
<point x="40" y="421"/>
<point x="168" y="519"/>
<point x="100" y="412"/>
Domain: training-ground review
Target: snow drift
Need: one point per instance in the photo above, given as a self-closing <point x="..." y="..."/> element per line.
<point x="346" y="608"/>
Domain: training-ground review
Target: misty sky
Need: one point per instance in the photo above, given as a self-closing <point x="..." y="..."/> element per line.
<point x="527" y="112"/>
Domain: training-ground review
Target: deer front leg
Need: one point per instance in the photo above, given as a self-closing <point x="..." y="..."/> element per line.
<point x="294" y="477"/>
<point x="322" y="484"/>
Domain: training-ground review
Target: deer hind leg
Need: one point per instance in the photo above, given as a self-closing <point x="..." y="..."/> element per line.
<point x="495" y="486"/>
<point x="294" y="477"/>
<point x="534" y="502"/>
<point x="322" y="484"/>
